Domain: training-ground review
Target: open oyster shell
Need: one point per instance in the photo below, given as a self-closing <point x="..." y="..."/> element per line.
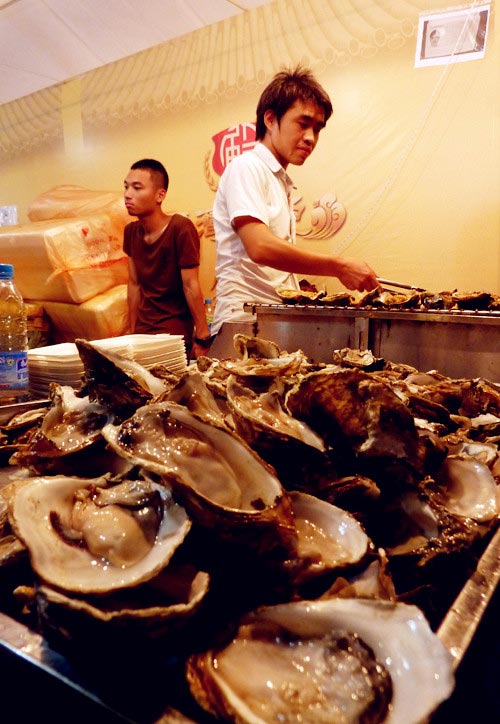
<point x="256" y="347"/>
<point x="469" y="488"/>
<point x="268" y="368"/>
<point x="68" y="436"/>
<point x="223" y="484"/>
<point x="295" y="451"/>
<point x="357" y="358"/>
<point x="159" y="607"/>
<point x="329" y="538"/>
<point x="86" y="536"/>
<point x="302" y="662"/>
<point x="114" y="381"/>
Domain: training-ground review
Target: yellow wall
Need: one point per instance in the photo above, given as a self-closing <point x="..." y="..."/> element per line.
<point x="412" y="153"/>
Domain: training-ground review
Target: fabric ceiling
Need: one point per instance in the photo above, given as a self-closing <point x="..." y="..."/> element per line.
<point x="45" y="42"/>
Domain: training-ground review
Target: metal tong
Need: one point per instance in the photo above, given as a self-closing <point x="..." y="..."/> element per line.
<point x="389" y="283"/>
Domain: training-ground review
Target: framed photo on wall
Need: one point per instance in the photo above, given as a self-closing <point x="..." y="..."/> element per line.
<point x="8" y="215"/>
<point x="453" y="36"/>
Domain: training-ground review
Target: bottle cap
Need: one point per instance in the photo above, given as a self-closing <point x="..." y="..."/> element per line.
<point x="6" y="271"/>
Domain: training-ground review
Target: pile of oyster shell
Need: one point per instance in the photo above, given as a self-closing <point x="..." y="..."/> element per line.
<point x="281" y="527"/>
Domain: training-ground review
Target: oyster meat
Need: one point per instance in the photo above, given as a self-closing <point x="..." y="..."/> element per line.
<point x="336" y="660"/>
<point x="88" y="536"/>
<point x="69" y="430"/>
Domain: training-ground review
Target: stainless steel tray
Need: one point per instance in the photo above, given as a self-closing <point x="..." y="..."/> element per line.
<point x="17" y="408"/>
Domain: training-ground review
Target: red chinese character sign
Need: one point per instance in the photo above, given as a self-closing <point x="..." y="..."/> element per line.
<point x="230" y="143"/>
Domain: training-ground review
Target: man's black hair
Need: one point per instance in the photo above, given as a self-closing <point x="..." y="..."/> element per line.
<point x="284" y="89"/>
<point x="158" y="171"/>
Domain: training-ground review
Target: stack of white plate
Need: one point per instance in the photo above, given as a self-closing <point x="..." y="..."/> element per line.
<point x="149" y="349"/>
<point x="55" y="363"/>
<point x="61" y="362"/>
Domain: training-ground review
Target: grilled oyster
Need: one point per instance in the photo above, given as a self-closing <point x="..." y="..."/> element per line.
<point x="341" y="299"/>
<point x="472" y="300"/>
<point x="396" y="300"/>
<point x="337" y="660"/>
<point x="90" y="536"/>
<point x="437" y="300"/>
<point x="302" y="296"/>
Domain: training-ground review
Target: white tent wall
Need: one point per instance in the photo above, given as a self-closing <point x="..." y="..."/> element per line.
<point x="412" y="153"/>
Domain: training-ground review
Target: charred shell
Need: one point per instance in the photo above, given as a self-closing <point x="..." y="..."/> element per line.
<point x="355" y="412"/>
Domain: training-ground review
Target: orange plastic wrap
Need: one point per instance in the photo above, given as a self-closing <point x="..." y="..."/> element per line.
<point x="66" y="260"/>
<point x="106" y="315"/>
<point x="71" y="201"/>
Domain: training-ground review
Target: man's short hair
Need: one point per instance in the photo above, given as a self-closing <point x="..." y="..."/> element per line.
<point x="157" y="170"/>
<point x="284" y="89"/>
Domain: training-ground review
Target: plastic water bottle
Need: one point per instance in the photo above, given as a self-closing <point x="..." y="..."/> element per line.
<point x="14" y="379"/>
<point x="209" y="311"/>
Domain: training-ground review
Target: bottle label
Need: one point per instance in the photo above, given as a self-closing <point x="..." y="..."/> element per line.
<point x="13" y="370"/>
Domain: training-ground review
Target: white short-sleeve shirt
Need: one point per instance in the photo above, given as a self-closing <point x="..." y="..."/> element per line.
<point x="253" y="184"/>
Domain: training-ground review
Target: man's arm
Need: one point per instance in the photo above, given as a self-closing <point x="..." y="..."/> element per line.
<point x="133" y="294"/>
<point x="194" y="298"/>
<point x="264" y="247"/>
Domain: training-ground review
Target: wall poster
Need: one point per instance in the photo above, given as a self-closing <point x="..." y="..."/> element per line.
<point x="8" y="215"/>
<point x="453" y="36"/>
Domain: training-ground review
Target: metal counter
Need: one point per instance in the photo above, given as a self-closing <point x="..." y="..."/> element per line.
<point x="457" y="344"/>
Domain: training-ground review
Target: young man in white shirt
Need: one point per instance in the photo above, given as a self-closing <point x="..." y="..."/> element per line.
<point x="253" y="215"/>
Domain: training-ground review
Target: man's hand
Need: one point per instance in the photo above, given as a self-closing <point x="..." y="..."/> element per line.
<point x="354" y="274"/>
